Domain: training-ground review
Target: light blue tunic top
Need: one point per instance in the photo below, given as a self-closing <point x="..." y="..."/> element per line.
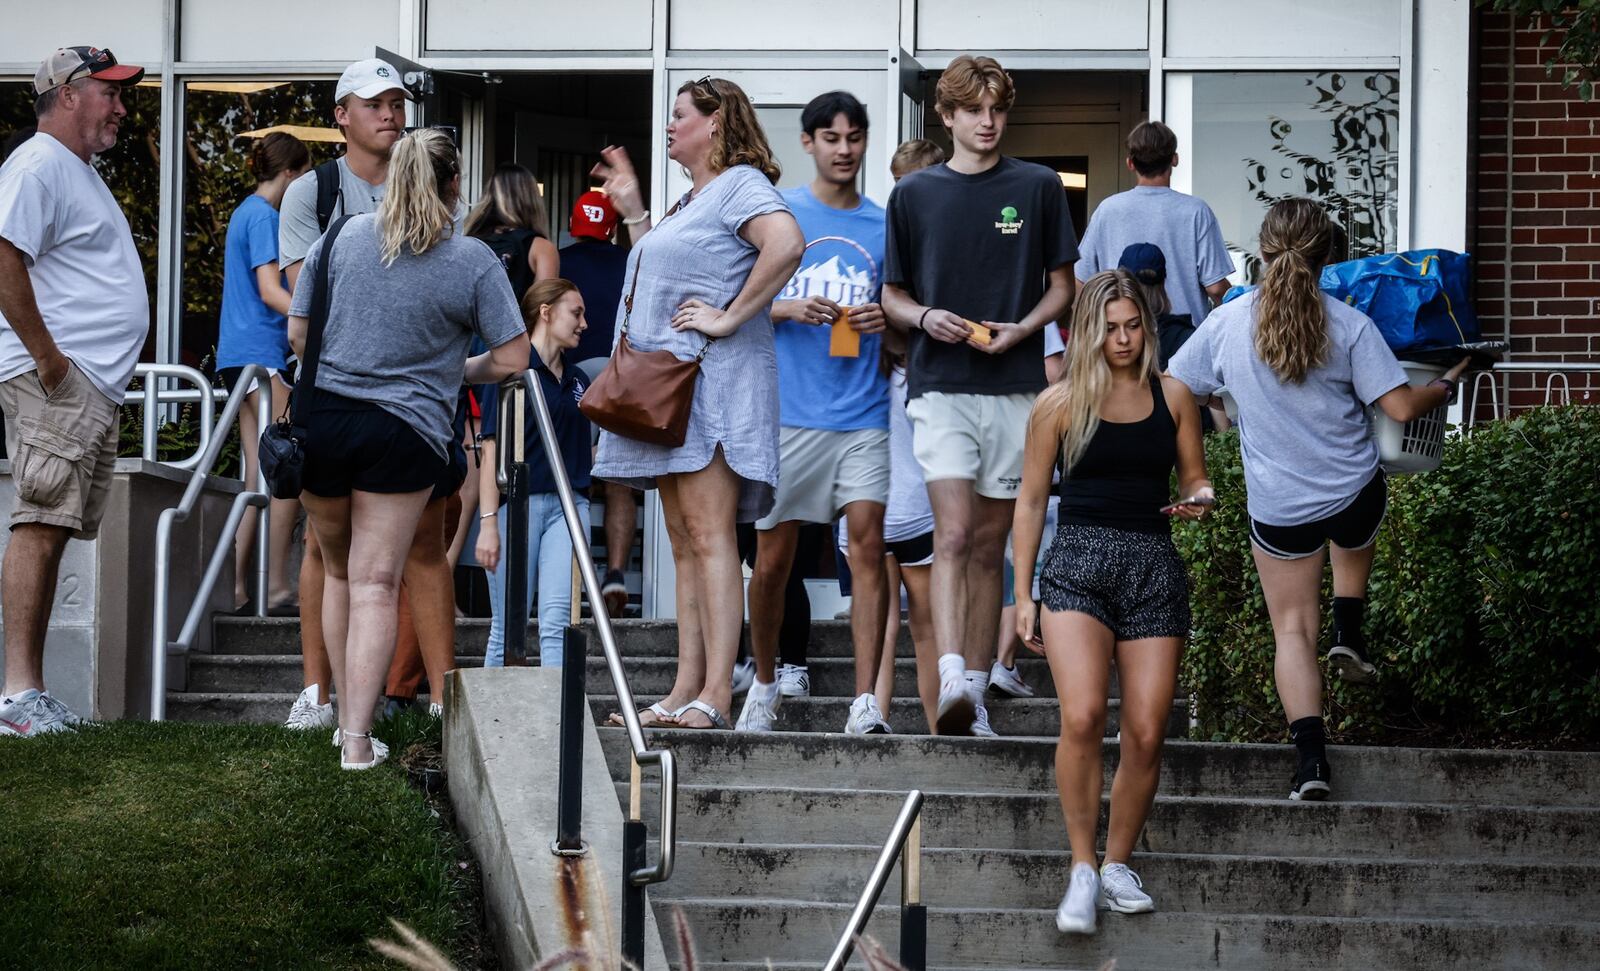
<point x="697" y="253"/>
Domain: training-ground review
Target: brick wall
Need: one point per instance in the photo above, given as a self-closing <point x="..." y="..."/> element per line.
<point x="1550" y="267"/>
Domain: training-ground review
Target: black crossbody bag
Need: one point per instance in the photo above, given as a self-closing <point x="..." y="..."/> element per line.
<point x="283" y="444"/>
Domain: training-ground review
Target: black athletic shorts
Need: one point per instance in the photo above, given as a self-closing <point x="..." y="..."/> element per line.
<point x="357" y="446"/>
<point x="1355" y="527"/>
<point x="916" y="551"/>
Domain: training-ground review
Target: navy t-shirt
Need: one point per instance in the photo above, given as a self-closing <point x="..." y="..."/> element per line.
<point x="598" y="268"/>
<point x="571" y="427"/>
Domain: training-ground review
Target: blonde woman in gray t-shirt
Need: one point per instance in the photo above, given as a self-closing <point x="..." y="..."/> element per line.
<point x="1303" y="368"/>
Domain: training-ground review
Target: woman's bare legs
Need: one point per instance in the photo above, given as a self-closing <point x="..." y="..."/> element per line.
<point x="691" y="675"/>
<point x="364" y="539"/>
<point x="1148" y="673"/>
<point x="1079" y="648"/>
<point x="280" y="520"/>
<point x="883" y="690"/>
<point x="705" y="504"/>
<point x="1293" y="590"/>
<point x="918" y="581"/>
<point x="244" y="540"/>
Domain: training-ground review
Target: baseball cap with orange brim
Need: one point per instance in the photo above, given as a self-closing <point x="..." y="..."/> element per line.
<point x="68" y="64"/>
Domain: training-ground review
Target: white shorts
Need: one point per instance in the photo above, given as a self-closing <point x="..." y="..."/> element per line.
<point x="820" y="472"/>
<point x="978" y="437"/>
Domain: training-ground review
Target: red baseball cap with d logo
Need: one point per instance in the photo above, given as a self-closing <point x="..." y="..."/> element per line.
<point x="593" y="216"/>
<point x="68" y="64"/>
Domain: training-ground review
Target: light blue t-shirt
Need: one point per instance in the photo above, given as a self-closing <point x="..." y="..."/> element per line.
<point x="1307" y="447"/>
<point x="814" y="389"/>
<point x="249" y="331"/>
<point x="1182" y="227"/>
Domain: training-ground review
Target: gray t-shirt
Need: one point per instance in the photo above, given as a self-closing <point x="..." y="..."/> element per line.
<point x="1182" y="227"/>
<point x="1308" y="447"/>
<point x="397" y="335"/>
<point x="297" y="216"/>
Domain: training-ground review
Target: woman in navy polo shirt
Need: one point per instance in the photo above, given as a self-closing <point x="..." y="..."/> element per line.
<point x="553" y="310"/>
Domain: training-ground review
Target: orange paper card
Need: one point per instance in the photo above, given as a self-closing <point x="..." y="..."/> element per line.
<point x="845" y="342"/>
<point x="980" y="333"/>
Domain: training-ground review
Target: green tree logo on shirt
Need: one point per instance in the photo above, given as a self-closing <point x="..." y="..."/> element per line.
<point x="1010" y="223"/>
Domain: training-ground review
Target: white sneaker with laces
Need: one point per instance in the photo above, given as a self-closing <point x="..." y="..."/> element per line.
<point x="31" y="713"/>
<point x="866" y="718"/>
<point x="1121" y="890"/>
<point x="760" y="711"/>
<point x="744" y="675"/>
<point x="306" y="713"/>
<point x="436" y="710"/>
<point x="956" y="710"/>
<point x="794" y="681"/>
<point x="1007" y="681"/>
<point x="68" y="717"/>
<point x="1076" y="913"/>
<point x="980" y="722"/>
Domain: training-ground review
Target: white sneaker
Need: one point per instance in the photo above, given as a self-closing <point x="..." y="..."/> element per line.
<point x="1121" y="890"/>
<point x="980" y="722"/>
<point x="1076" y="914"/>
<point x="436" y="710"/>
<point x="956" y="710"/>
<point x="1007" y="681"/>
<point x="866" y="718"/>
<point x="306" y="713"/>
<point x="30" y="713"/>
<point x="760" y="711"/>
<point x="794" y="681"/>
<point x="744" y="675"/>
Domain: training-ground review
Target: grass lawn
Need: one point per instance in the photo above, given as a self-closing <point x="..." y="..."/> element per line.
<point x="136" y="845"/>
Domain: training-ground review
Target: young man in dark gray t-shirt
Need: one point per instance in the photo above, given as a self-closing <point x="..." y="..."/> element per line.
<point x="978" y="259"/>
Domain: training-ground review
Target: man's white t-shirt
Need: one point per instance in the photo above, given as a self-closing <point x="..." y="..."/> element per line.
<point x="87" y="280"/>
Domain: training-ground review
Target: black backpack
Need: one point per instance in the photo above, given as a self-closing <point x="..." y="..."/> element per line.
<point x="330" y="192"/>
<point x="513" y="248"/>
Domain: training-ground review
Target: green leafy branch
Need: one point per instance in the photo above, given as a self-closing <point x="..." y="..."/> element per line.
<point x="1578" y="26"/>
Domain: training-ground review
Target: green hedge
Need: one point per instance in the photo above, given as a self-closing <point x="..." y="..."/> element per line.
<point x="1483" y="611"/>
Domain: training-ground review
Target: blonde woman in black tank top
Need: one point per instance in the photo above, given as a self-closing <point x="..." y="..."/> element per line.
<point x="1112" y="584"/>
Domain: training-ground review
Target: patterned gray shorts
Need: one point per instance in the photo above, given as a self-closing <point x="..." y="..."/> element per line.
<point x="1134" y="583"/>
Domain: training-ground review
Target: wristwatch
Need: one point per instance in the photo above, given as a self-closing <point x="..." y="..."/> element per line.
<point x="1451" y="389"/>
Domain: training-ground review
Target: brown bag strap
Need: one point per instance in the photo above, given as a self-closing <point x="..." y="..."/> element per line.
<point x="627" y="304"/>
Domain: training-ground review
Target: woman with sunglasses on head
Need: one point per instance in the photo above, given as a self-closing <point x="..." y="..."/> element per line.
<point x="707" y="271"/>
<point x="1113" y="587"/>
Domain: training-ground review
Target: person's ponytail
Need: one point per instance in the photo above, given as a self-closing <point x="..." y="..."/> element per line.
<point x="417" y="208"/>
<point x="1291" y="327"/>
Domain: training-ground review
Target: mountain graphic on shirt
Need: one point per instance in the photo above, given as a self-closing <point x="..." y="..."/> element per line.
<point x="832" y="278"/>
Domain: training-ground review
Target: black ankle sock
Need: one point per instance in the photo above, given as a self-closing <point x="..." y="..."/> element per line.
<point x="1347" y="614"/>
<point x="1309" y="738"/>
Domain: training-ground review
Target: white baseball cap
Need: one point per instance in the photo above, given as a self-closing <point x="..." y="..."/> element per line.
<point x="368" y="79"/>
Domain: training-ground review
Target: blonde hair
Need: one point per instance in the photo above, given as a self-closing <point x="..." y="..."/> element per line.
<point x="918" y="153"/>
<point x="417" y="210"/>
<point x="511" y="200"/>
<point x="1291" y="335"/>
<point x="739" y="139"/>
<point x="964" y="82"/>
<point x="1070" y="408"/>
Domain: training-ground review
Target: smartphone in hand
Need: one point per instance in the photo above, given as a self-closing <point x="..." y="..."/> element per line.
<point x="1191" y="501"/>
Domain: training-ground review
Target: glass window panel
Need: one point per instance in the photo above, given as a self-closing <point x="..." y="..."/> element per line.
<point x="1330" y="135"/>
<point x="782" y="125"/>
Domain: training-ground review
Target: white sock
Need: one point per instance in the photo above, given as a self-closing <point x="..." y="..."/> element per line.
<point x="951" y="667"/>
<point x="763" y="692"/>
<point x="979" y="680"/>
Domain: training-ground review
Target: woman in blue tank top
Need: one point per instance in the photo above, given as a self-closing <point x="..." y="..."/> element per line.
<point x="1112" y="584"/>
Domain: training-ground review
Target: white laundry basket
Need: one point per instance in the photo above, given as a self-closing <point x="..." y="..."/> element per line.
<point x="1416" y="445"/>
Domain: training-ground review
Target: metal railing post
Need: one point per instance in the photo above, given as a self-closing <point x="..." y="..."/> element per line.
<point x="264" y="521"/>
<point x="899" y="837"/>
<point x="913" y="914"/>
<point x="515" y="555"/>
<point x="633" y="895"/>
<point x="569" y="784"/>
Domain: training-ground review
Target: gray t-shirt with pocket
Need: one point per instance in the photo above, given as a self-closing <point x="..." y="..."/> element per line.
<point x="398" y="335"/>
<point x="1307" y="447"/>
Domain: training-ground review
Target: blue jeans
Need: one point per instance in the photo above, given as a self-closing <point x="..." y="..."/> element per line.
<point x="549" y="567"/>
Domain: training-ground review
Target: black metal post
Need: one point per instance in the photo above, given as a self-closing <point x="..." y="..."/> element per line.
<point x="569" y="812"/>
<point x="913" y="936"/>
<point x="516" y="561"/>
<point x="633" y="900"/>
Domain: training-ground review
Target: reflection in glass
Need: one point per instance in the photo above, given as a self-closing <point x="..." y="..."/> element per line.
<point x="1329" y="135"/>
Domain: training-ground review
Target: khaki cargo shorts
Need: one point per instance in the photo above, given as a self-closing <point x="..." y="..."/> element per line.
<point x="62" y="448"/>
<point x="978" y="437"/>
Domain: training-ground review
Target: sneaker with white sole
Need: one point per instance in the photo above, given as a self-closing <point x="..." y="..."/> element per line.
<point x="956" y="710"/>
<point x="1122" y="891"/>
<point x="794" y="681"/>
<point x="436" y="710"/>
<point x="744" y="675"/>
<point x="1078" y="910"/>
<point x="866" y="718"/>
<point x="1351" y="664"/>
<point x="760" y="711"/>
<point x="1311" y="782"/>
<point x="980" y="721"/>
<point x="1007" y="681"/>
<point x="306" y="713"/>
<point x="31" y="713"/>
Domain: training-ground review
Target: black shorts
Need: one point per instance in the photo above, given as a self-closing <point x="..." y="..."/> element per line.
<point x="455" y="473"/>
<point x="357" y="446"/>
<point x="1355" y="527"/>
<point x="230" y="376"/>
<point x="916" y="551"/>
<point x="1132" y="582"/>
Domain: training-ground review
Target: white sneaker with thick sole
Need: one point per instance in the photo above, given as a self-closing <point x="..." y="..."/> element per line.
<point x="1007" y="681"/>
<point x="31" y="713"/>
<point x="760" y="711"/>
<point x="794" y="681"/>
<point x="68" y="717"/>
<point x="1077" y="912"/>
<point x="866" y="718"/>
<point x="744" y="675"/>
<point x="306" y="713"/>
<point x="956" y="711"/>
<point x="1122" y="891"/>
<point x="980" y="721"/>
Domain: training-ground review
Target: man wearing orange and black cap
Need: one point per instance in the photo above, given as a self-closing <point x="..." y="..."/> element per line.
<point x="597" y="266"/>
<point x="74" y="314"/>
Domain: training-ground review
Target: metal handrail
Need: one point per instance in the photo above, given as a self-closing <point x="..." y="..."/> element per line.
<point x="643" y="754"/>
<point x="906" y="834"/>
<point x="152" y="397"/>
<point x="1501" y="408"/>
<point x="159" y="645"/>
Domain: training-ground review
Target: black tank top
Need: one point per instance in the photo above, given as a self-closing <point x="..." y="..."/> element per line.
<point x="1124" y="476"/>
<point x="512" y="247"/>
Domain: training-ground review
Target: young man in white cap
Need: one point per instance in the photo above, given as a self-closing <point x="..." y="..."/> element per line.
<point x="370" y="108"/>
<point x="74" y="313"/>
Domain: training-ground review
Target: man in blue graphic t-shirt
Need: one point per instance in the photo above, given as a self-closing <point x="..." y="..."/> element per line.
<point x="833" y="402"/>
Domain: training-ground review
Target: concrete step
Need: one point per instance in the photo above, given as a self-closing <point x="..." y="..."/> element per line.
<point x="230" y="707"/>
<point x="1180" y="883"/>
<point x="900" y="763"/>
<point x="250" y="673"/>
<point x="752" y="929"/>
<point x="1039" y="717"/>
<point x="651" y="677"/>
<point x="1279" y="827"/>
